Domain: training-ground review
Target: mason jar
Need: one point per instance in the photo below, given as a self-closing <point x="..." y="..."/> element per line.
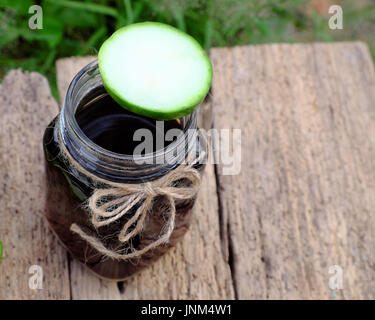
<point x="86" y="165"/>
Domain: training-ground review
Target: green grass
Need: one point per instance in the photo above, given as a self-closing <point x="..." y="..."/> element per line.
<point x="76" y="28"/>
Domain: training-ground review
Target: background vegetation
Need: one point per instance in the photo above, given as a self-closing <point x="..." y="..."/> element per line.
<point x="74" y="28"/>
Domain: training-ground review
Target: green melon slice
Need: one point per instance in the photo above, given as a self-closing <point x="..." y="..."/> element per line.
<point x="155" y="70"/>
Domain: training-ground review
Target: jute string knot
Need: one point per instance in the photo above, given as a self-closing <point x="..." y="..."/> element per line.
<point x="109" y="203"/>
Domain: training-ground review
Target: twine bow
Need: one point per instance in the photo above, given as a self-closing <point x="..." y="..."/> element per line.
<point x="127" y="196"/>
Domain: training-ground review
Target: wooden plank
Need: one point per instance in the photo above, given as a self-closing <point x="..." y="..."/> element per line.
<point x="305" y="197"/>
<point x="26" y="108"/>
<point x="84" y="285"/>
<point x="180" y="274"/>
<point x="66" y="69"/>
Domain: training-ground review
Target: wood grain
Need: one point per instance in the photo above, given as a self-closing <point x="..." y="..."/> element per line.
<point x="305" y="197"/>
<point x="180" y="274"/>
<point x="302" y="202"/>
<point x="26" y="108"/>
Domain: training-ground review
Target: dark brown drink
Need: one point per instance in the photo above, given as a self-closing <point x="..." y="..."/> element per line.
<point x="111" y="127"/>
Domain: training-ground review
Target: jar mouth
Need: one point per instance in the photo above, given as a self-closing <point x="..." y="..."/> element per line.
<point x="71" y="104"/>
<point x="100" y="160"/>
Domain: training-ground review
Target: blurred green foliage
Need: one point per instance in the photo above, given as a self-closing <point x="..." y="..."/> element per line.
<point x="74" y="28"/>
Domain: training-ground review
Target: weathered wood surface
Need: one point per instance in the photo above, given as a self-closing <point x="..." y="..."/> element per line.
<point x="303" y="201"/>
<point x="26" y="108"/>
<point x="305" y="198"/>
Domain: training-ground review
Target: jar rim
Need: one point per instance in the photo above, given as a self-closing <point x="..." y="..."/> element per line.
<point x="71" y="119"/>
<point x="109" y="163"/>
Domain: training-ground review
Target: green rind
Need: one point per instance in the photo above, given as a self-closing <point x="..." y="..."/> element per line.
<point x="169" y="114"/>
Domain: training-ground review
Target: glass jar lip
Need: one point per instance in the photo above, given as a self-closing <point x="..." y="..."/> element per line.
<point x="70" y="105"/>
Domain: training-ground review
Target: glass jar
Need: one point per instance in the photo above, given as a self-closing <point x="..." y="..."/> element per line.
<point x="69" y="188"/>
